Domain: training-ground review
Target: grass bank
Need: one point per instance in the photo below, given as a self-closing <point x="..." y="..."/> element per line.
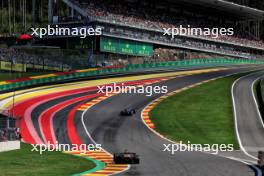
<point x="201" y="115"/>
<point x="25" y="162"/>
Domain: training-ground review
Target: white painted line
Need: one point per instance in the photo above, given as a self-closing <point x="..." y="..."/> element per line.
<point x="93" y="141"/>
<point x="258" y="171"/>
<point x="235" y="116"/>
<point x="256" y="104"/>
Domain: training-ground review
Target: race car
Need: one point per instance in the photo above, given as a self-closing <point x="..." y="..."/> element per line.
<point x="126" y="158"/>
<point x="127" y="112"/>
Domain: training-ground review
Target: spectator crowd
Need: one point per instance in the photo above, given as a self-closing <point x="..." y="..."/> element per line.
<point x="148" y="18"/>
<point x="183" y="43"/>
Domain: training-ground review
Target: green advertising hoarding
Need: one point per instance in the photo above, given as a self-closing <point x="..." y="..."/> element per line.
<point x="128" y="47"/>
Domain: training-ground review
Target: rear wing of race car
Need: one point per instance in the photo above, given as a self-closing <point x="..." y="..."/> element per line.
<point x="126" y="158"/>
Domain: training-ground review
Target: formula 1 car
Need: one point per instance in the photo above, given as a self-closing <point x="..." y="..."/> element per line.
<point x="126" y="158"/>
<point x="127" y="112"/>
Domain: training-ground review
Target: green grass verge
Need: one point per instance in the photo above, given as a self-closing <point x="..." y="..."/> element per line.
<point x="25" y="162"/>
<point x="201" y="115"/>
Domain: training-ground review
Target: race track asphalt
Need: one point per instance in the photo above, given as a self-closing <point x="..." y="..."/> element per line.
<point x="249" y="123"/>
<point x="117" y="133"/>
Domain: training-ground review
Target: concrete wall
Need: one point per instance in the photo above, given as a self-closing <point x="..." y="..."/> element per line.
<point x="9" y="145"/>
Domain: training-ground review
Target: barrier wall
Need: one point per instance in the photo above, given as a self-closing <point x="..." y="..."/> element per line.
<point x="30" y="81"/>
<point x="9" y="145"/>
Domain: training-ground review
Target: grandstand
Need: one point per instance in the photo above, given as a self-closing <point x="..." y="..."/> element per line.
<point x="141" y="23"/>
<point x="133" y="33"/>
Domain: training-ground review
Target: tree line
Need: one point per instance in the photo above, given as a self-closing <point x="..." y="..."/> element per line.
<point x="17" y="16"/>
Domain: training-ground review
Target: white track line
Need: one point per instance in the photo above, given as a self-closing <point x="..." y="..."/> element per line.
<point x="90" y="137"/>
<point x="258" y="171"/>
<point x="235" y="116"/>
<point x="256" y="104"/>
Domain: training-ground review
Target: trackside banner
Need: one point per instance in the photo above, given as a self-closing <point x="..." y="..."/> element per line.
<point x="127" y="47"/>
